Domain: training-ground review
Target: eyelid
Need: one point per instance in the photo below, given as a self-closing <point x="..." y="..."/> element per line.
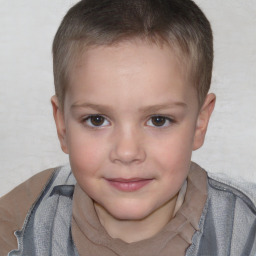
<point x="86" y="118"/>
<point x="167" y="118"/>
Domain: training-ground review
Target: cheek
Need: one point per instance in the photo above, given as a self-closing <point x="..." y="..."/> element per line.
<point x="86" y="154"/>
<point x="172" y="158"/>
<point x="173" y="165"/>
<point x="175" y="148"/>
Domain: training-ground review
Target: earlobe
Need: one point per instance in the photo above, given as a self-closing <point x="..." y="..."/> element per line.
<point x="203" y="120"/>
<point x="60" y="123"/>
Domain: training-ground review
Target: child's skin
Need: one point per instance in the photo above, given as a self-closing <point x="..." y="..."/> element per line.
<point x="131" y="163"/>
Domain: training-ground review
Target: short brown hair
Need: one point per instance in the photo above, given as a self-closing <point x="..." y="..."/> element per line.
<point x="180" y="23"/>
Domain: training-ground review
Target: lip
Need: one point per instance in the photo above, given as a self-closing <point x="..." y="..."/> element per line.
<point x="128" y="185"/>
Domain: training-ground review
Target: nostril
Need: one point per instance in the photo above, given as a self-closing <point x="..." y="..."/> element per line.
<point x="127" y="151"/>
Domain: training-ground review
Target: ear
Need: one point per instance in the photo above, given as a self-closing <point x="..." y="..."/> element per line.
<point x="203" y="120"/>
<point x="60" y="123"/>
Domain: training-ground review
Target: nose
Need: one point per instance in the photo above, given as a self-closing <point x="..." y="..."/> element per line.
<point x="128" y="147"/>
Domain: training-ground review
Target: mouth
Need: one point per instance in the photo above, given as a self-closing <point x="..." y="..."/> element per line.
<point x="128" y="185"/>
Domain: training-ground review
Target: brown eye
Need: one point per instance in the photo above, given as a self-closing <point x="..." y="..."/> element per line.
<point x="159" y="121"/>
<point x="96" y="121"/>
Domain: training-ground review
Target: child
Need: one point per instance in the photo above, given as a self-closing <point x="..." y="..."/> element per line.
<point x="131" y="80"/>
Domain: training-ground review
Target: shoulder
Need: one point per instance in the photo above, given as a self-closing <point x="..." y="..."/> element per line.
<point x="231" y="215"/>
<point x="239" y="189"/>
<point x="228" y="220"/>
<point x="15" y="205"/>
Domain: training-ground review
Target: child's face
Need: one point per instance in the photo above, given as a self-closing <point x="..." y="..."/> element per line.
<point x="130" y="124"/>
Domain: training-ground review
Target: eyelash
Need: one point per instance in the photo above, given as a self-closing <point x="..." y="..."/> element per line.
<point x="88" y="121"/>
<point x="165" y="119"/>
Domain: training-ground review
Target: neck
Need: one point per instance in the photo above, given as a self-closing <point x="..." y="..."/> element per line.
<point x="136" y="230"/>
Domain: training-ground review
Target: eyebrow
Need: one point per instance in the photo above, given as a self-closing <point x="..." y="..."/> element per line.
<point x="145" y="109"/>
<point x="158" y="107"/>
<point x="92" y="106"/>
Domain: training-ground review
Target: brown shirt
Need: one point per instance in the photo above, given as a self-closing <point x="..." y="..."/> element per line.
<point x="90" y="236"/>
<point x="14" y="207"/>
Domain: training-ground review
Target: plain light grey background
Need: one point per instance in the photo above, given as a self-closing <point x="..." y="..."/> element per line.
<point x="28" y="141"/>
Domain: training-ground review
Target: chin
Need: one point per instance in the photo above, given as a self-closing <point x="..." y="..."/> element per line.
<point x="125" y="213"/>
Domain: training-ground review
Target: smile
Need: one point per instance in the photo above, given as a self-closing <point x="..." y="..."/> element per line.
<point x="128" y="185"/>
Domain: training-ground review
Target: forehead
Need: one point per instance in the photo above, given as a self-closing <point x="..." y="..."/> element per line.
<point x="129" y="68"/>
